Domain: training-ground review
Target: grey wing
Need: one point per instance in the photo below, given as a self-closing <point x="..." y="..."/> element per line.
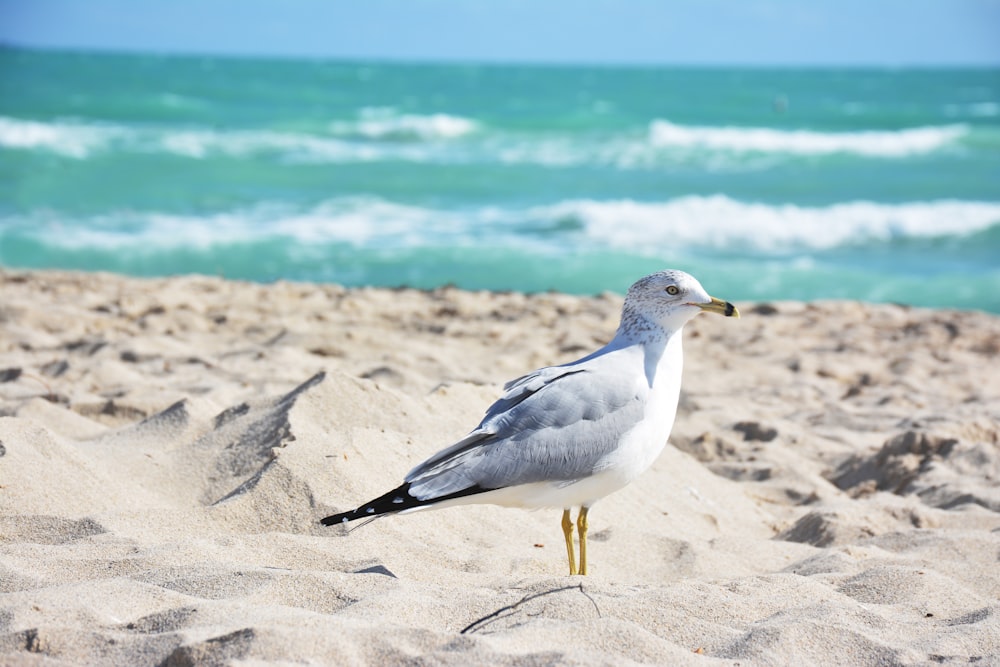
<point x="555" y="424"/>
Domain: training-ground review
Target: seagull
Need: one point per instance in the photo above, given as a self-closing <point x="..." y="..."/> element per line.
<point x="566" y="436"/>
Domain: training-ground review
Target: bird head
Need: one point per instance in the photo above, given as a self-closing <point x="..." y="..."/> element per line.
<point x="668" y="299"/>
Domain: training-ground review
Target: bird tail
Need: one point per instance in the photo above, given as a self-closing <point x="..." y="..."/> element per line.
<point x="395" y="501"/>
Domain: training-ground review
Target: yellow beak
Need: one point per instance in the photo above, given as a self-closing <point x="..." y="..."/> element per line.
<point x="719" y="306"/>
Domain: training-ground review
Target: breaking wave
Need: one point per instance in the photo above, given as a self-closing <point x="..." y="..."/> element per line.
<point x="382" y="135"/>
<point x="869" y="143"/>
<point x="717" y="222"/>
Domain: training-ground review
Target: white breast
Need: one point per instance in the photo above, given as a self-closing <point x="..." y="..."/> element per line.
<point x="640" y="446"/>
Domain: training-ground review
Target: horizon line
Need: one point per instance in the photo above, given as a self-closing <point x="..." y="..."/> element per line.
<point x="488" y="62"/>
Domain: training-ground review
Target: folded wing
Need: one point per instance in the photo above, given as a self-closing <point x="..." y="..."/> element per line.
<point x="541" y="429"/>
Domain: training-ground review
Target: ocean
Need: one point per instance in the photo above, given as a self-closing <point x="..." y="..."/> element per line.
<point x="767" y="184"/>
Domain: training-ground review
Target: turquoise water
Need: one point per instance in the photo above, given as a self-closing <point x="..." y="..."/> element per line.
<point x="882" y="185"/>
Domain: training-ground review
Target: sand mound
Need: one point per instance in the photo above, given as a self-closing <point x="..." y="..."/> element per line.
<point x="944" y="470"/>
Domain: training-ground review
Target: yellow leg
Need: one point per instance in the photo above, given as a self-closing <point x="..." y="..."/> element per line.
<point x="567" y="526"/>
<point x="581" y="525"/>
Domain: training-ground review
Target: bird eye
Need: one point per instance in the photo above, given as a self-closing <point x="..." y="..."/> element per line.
<point x="672" y="290"/>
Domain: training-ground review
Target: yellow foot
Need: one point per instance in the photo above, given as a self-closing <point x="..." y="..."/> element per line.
<point x="567" y="526"/>
<point x="581" y="525"/>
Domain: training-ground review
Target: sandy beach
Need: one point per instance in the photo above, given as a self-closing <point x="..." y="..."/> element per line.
<point x="831" y="494"/>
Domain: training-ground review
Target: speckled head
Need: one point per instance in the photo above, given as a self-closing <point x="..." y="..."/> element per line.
<point x="665" y="301"/>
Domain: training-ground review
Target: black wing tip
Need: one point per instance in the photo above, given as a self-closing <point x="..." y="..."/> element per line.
<point x="334" y="519"/>
<point x="394" y="501"/>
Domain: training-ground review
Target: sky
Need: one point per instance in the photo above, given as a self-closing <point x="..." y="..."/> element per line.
<point x="682" y="32"/>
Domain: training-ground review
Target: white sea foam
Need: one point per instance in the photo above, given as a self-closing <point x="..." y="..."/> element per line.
<point x="80" y="140"/>
<point x="716" y="222"/>
<point x="873" y="143"/>
<point x="386" y="123"/>
<point x="443" y="139"/>
<point x="721" y="222"/>
<point x="288" y="145"/>
<point x="294" y="147"/>
<point x="75" y="140"/>
<point x="358" y="221"/>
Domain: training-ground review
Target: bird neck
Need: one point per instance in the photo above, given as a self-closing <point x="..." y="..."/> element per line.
<point x="660" y="348"/>
<point x="637" y="328"/>
<point x="663" y="354"/>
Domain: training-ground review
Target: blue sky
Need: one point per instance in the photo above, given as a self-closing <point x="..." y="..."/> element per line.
<point x="750" y="32"/>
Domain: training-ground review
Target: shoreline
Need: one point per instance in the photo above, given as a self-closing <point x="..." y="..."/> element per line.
<point x="169" y="444"/>
<point x="13" y="271"/>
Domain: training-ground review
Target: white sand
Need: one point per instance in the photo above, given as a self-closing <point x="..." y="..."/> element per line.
<point x="168" y="446"/>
